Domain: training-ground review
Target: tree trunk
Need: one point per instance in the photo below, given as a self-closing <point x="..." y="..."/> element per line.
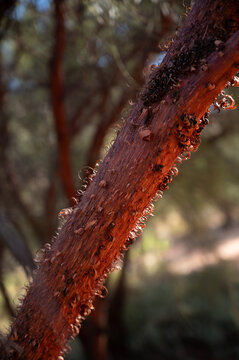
<point x="166" y="122"/>
<point x="56" y="81"/>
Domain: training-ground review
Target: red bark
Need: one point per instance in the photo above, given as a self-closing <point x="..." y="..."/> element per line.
<point x="166" y="122"/>
<point x="58" y="104"/>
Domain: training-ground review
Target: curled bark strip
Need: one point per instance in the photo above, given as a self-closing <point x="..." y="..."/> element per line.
<point x="134" y="172"/>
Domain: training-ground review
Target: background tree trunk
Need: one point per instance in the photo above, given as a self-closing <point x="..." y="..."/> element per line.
<point x="58" y="104"/>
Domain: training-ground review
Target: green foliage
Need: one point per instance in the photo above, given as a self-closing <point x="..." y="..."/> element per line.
<point x="184" y="317"/>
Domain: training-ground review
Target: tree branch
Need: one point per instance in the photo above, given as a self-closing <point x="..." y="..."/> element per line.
<point x="9" y="180"/>
<point x="101" y="130"/>
<point x="3" y="290"/>
<point x="57" y="103"/>
<point x="166" y="122"/>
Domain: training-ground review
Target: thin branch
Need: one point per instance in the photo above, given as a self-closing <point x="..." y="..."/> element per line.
<point x="78" y="119"/>
<point x="3" y="290"/>
<point x="6" y="298"/>
<point x="13" y="241"/>
<point x="101" y="130"/>
<point x="50" y="205"/>
<point x="9" y="179"/>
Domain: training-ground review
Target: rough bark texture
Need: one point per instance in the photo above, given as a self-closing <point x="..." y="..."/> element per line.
<point x="166" y="122"/>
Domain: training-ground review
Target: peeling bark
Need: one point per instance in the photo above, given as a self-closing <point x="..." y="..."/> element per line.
<point x="172" y="108"/>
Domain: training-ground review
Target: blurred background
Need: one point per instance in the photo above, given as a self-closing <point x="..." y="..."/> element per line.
<point x="70" y="72"/>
